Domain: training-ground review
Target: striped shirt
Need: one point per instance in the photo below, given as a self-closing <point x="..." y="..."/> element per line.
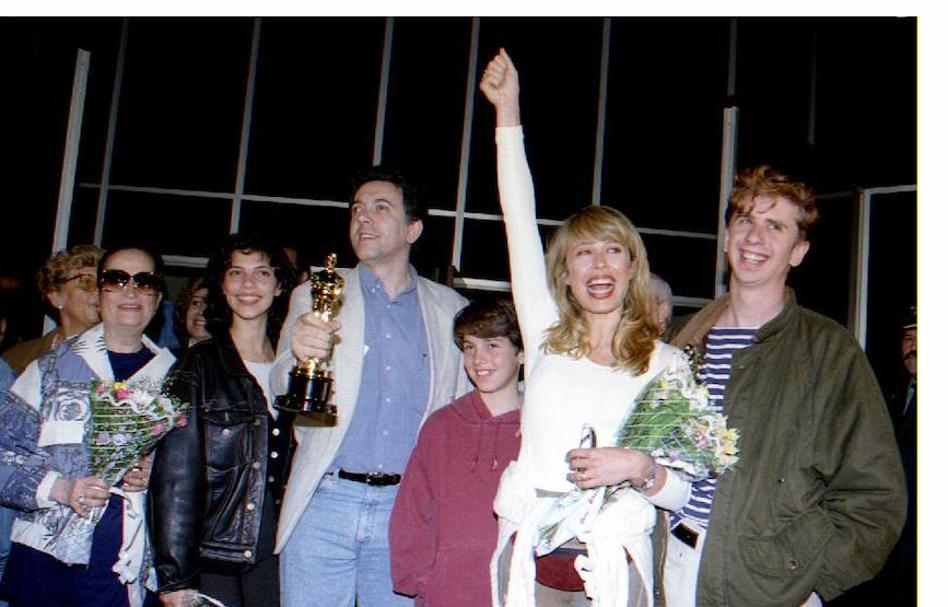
<point x="715" y="371"/>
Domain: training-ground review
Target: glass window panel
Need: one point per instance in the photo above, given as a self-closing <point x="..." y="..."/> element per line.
<point x="85" y="203"/>
<point x="313" y="231"/>
<point x="315" y="104"/>
<point x="485" y="251"/>
<point x="36" y="79"/>
<point x="431" y="254"/>
<point x="667" y="88"/>
<point x="559" y="111"/>
<point x="866" y="102"/>
<point x="170" y="225"/>
<point x="773" y="93"/>
<point x="687" y="264"/>
<point x="182" y="103"/>
<point x="893" y="280"/>
<point x="823" y="281"/>
<point x="425" y="117"/>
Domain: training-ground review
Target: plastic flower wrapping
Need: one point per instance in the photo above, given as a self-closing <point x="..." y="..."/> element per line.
<point x="672" y="421"/>
<point x="128" y="420"/>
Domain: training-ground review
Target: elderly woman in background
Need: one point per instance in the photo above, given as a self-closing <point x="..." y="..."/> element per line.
<point x="57" y="557"/>
<point x="190" y="326"/>
<point x="67" y="282"/>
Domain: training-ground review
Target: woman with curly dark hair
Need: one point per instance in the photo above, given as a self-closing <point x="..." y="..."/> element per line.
<point x="217" y="482"/>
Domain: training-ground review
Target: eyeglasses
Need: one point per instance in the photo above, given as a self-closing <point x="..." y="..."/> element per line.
<point x="146" y="283"/>
<point x="86" y="282"/>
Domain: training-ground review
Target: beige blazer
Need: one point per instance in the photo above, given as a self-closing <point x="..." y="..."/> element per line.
<point x="318" y="445"/>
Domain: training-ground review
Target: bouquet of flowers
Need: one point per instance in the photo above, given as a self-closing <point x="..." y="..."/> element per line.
<point x="128" y="420"/>
<point x="670" y="420"/>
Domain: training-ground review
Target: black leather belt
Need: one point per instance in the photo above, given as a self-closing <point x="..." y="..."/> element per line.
<point x="686" y="534"/>
<point x="375" y="479"/>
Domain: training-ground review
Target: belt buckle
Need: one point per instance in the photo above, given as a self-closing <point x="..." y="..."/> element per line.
<point x="685" y="534"/>
<point x="375" y="479"/>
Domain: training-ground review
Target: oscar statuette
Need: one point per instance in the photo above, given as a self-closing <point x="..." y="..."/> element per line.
<point x="311" y="383"/>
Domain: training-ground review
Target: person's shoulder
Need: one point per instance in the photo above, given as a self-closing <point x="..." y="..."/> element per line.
<point x="823" y="327"/>
<point x="442" y="293"/>
<point x="23" y="353"/>
<point x="6" y="376"/>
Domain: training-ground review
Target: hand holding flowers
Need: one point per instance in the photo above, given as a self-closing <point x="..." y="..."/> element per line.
<point x="136" y="479"/>
<point x="670" y="422"/>
<point x="80" y="494"/>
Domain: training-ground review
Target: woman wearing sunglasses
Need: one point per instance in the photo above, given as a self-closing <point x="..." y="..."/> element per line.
<point x="217" y="482"/>
<point x="57" y="559"/>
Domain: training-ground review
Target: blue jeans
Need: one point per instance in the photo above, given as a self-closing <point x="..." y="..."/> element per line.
<point x="338" y="551"/>
<point x="6" y="523"/>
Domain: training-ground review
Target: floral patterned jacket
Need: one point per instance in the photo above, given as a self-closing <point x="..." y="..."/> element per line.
<point x="43" y="426"/>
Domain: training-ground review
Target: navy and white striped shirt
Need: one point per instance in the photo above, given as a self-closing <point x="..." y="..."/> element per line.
<point x="715" y="372"/>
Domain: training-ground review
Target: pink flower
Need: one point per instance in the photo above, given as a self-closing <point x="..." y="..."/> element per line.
<point x="121" y="394"/>
<point x="182" y="422"/>
<point x="157" y="429"/>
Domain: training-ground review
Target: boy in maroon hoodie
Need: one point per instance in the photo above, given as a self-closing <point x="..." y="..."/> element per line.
<point x="443" y="530"/>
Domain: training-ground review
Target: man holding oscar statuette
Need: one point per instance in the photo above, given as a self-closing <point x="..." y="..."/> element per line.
<point x="393" y="362"/>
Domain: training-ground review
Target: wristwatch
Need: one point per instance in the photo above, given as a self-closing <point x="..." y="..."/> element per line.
<point x="648" y="482"/>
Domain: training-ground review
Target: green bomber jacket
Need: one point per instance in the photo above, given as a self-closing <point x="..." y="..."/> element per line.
<point x="817" y="500"/>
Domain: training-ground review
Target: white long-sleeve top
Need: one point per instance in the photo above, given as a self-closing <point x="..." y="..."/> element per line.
<point x="563" y="394"/>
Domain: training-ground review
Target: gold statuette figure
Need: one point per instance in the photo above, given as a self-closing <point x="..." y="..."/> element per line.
<point x="311" y="383"/>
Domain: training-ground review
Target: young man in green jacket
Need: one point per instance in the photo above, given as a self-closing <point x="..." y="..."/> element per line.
<point x="818" y="498"/>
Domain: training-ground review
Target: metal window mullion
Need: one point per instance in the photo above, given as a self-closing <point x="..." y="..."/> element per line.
<point x="67" y="177"/>
<point x="859" y="307"/>
<point x="383" y="92"/>
<point x="601" y="110"/>
<point x="110" y="136"/>
<point x="811" y="109"/>
<point x="732" y="59"/>
<point x="240" y="179"/>
<point x="465" y="161"/>
<point x="728" y="162"/>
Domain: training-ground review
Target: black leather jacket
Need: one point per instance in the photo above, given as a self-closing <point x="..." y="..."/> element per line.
<point x="210" y="477"/>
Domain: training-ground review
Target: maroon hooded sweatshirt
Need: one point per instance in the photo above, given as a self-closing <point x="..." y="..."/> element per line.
<point x="443" y="529"/>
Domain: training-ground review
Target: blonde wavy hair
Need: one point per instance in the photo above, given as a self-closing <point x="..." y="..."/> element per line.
<point x="635" y="336"/>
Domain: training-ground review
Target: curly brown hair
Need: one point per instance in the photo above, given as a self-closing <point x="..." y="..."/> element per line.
<point x="63" y="263"/>
<point x="765" y="180"/>
<point x="635" y="336"/>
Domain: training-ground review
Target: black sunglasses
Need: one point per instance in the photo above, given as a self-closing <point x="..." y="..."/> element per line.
<point x="146" y="283"/>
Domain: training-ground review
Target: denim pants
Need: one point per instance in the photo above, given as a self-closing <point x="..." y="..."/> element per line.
<point x="6" y="524"/>
<point x="338" y="551"/>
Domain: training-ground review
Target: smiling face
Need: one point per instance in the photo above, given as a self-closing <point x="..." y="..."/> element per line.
<point x="492" y="363"/>
<point x="77" y="300"/>
<point x="127" y="309"/>
<point x="379" y="229"/>
<point x="249" y="285"/>
<point x="598" y="273"/>
<point x="762" y="242"/>
<point x="194" y="321"/>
